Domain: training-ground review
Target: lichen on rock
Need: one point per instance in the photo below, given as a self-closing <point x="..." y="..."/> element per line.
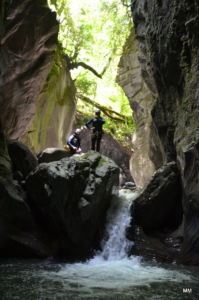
<point x="55" y="111"/>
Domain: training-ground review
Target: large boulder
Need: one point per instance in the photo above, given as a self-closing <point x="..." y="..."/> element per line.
<point x="53" y="154"/>
<point x="71" y="197"/>
<point x="109" y="147"/>
<point x="22" y="158"/>
<point x="157" y="225"/>
<point x="66" y="206"/>
<point x="159" y="204"/>
<point x="19" y="234"/>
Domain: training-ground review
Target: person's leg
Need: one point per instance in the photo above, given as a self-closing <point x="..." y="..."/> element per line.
<point x="98" y="142"/>
<point x="93" y="140"/>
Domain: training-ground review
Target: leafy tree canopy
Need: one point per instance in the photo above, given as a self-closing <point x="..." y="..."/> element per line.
<point x="93" y="33"/>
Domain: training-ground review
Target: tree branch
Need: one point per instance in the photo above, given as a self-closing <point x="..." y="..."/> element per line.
<point x="76" y="51"/>
<point x="106" y="67"/>
<point x="107" y="111"/>
<point x="127" y="5"/>
<point x="75" y="65"/>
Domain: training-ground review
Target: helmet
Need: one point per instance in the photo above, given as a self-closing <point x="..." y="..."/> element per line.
<point x="78" y="131"/>
<point x="98" y="111"/>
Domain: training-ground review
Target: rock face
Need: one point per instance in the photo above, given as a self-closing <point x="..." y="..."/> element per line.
<point x="71" y="198"/>
<point x="19" y="234"/>
<point x="112" y="149"/>
<point x="23" y="160"/>
<point x="55" y="111"/>
<point x="53" y="154"/>
<point x="147" y="156"/>
<point x="156" y="215"/>
<point x="63" y="209"/>
<point x="159" y="204"/>
<point x="168" y="33"/>
<point x="34" y="74"/>
<point x="159" y="247"/>
<point x="29" y="37"/>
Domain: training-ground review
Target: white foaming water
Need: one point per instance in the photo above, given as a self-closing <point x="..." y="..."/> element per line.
<point x="112" y="269"/>
<point x="115" y="245"/>
<point x="110" y="275"/>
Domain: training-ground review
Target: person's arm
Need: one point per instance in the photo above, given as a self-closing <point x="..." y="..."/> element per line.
<point x="102" y="120"/>
<point x="88" y="123"/>
<point x="70" y="140"/>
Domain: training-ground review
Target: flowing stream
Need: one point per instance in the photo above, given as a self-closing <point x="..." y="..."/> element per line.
<point x="110" y="275"/>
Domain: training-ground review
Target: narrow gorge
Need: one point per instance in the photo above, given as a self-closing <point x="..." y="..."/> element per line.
<point x="122" y="222"/>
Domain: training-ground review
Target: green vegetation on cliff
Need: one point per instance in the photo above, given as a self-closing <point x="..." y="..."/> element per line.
<point x="55" y="111"/>
<point x="92" y="36"/>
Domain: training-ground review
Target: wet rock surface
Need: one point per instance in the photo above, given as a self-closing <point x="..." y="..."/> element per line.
<point x="157" y="217"/>
<point x="52" y="154"/>
<point x="157" y="246"/>
<point x="19" y="234"/>
<point x="63" y="208"/>
<point x="23" y="160"/>
<point x="167" y="32"/>
<point x="70" y="198"/>
<point x="159" y="204"/>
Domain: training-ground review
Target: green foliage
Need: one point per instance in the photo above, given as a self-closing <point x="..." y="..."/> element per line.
<point x="85" y="85"/>
<point x="120" y="131"/>
<point x="94" y="32"/>
<point x="57" y="65"/>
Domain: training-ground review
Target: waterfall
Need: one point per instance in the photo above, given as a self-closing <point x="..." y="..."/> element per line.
<point x="112" y="274"/>
<point x="115" y="245"/>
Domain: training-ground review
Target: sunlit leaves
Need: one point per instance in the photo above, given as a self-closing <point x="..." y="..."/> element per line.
<point x="85" y="85"/>
<point x="94" y="32"/>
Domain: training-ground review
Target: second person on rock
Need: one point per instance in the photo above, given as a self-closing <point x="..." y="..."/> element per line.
<point x="97" y="123"/>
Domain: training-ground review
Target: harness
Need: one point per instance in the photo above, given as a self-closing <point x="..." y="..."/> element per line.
<point x="97" y="132"/>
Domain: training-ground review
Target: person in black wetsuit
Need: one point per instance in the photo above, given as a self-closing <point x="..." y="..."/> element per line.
<point x="97" y="124"/>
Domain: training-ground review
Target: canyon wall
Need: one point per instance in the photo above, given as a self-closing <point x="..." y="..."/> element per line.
<point x="168" y="31"/>
<point x="37" y="94"/>
<point x="55" y="111"/>
<point x="29" y="37"/>
<point x="147" y="157"/>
